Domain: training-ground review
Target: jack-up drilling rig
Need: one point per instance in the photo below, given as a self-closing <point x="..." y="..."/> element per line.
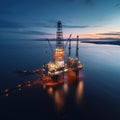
<point x="54" y="69"/>
<point x="52" y="73"/>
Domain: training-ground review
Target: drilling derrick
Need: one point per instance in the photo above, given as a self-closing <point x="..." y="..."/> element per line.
<point x="59" y="51"/>
<point x="59" y="36"/>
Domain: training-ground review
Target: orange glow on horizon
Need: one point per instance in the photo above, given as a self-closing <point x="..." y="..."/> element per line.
<point x="94" y="36"/>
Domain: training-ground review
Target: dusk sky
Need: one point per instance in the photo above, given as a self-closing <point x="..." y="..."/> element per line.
<point x="33" y="19"/>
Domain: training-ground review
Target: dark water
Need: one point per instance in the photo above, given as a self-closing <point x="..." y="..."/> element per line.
<point x="96" y="96"/>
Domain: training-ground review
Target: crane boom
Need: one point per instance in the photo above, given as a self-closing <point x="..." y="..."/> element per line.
<point x="50" y="46"/>
<point x="67" y="41"/>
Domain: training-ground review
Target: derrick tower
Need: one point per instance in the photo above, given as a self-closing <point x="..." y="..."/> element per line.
<point x="59" y="36"/>
<point x="59" y="51"/>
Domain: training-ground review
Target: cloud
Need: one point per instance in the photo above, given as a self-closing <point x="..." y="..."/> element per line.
<point x="74" y="26"/>
<point x="46" y="24"/>
<point x="10" y="24"/>
<point x="69" y="1"/>
<point x="90" y="2"/>
<point x="87" y="2"/>
<point x="64" y="26"/>
<point x="53" y="24"/>
<point x="109" y="33"/>
<point x="30" y="32"/>
<point x="117" y="5"/>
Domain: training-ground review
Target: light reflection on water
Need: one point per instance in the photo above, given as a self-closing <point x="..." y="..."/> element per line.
<point x="50" y="91"/>
<point x="60" y="93"/>
<point x="65" y="87"/>
<point x="59" y="99"/>
<point x="79" y="92"/>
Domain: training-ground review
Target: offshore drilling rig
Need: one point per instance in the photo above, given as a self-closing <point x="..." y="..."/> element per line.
<point x="52" y="73"/>
<point x="56" y="68"/>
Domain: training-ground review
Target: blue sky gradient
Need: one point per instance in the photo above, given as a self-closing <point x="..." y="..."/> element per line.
<point x="32" y="19"/>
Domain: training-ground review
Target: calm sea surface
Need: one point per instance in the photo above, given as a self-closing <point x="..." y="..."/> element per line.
<point x="95" y="95"/>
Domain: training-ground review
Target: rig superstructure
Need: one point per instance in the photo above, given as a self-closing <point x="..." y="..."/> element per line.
<point x="52" y="73"/>
<point x="56" y="68"/>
